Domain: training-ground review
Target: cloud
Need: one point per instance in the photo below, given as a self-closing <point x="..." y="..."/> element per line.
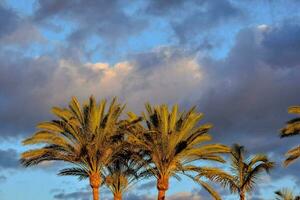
<point x="202" y="20"/>
<point x="192" y="195"/>
<point x="185" y="195"/>
<point x="81" y="194"/>
<point x="8" y="159"/>
<point x="73" y="195"/>
<point x="46" y="82"/>
<point x="277" y="39"/>
<point x="16" y="30"/>
<point x="203" y="16"/>
<point x="8" y="21"/>
<point x="108" y="20"/>
<point x="25" y="35"/>
<point x="132" y="196"/>
<point x="246" y="97"/>
<point x="147" y="186"/>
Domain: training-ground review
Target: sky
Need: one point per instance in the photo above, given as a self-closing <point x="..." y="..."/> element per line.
<point x="237" y="60"/>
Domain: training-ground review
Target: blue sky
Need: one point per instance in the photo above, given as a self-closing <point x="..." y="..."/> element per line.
<point x="238" y="61"/>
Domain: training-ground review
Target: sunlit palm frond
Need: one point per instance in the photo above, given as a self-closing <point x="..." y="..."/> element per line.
<point x="173" y="140"/>
<point x="286" y="194"/>
<point x="292" y="128"/>
<point x="74" y="171"/>
<point x="209" y="189"/>
<point x="292" y="155"/>
<point x="86" y="136"/>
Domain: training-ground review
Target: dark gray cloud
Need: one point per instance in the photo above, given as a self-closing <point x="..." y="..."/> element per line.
<point x="21" y="92"/>
<point x="9" y="159"/>
<point x="16" y="30"/>
<point x="133" y="196"/>
<point x="27" y="96"/>
<point x="8" y="21"/>
<point x="194" y="194"/>
<point x="116" y="21"/>
<point x="106" y="19"/>
<point x="282" y="44"/>
<point x="82" y="195"/>
<point x="202" y="20"/>
<point x="201" y="17"/>
<point x="246" y="97"/>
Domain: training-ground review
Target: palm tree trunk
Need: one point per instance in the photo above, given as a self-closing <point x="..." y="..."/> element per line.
<point x="242" y="196"/>
<point x="162" y="187"/>
<point x="118" y="196"/>
<point x="95" y="181"/>
<point x="161" y="195"/>
<point x="95" y="193"/>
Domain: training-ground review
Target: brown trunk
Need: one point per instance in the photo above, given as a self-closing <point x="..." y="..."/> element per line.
<point x="95" y="193"/>
<point x="242" y="196"/>
<point x="95" y="181"/>
<point x="162" y="186"/>
<point x="117" y="196"/>
<point x="161" y="195"/>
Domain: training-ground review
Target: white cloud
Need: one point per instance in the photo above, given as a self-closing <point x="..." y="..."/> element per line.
<point x="172" y="80"/>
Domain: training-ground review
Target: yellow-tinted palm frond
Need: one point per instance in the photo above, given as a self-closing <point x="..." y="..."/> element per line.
<point x="210" y="190"/>
<point x="172" y="140"/>
<point x="292" y="155"/>
<point x="219" y="176"/>
<point x="81" y="173"/>
<point x="286" y="194"/>
<point x="85" y="135"/>
<point x="292" y="128"/>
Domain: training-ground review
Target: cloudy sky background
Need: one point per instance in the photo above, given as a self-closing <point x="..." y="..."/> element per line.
<point x="238" y="61"/>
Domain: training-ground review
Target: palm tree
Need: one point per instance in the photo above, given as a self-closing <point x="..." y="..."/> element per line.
<point x="286" y="194"/>
<point x="86" y="137"/>
<point x="244" y="172"/>
<point x="122" y="173"/>
<point x="292" y="128"/>
<point x="173" y="141"/>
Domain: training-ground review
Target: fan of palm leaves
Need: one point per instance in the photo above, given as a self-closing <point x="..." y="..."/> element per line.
<point x="173" y="141"/>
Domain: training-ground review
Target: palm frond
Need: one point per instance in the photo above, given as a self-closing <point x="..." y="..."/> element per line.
<point x="74" y="171"/>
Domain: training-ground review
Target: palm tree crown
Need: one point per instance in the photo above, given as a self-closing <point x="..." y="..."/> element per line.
<point x="86" y="137"/>
<point x="292" y="128"/>
<point x="173" y="141"/>
<point x="123" y="172"/>
<point x="244" y="172"/>
<point x="286" y="194"/>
